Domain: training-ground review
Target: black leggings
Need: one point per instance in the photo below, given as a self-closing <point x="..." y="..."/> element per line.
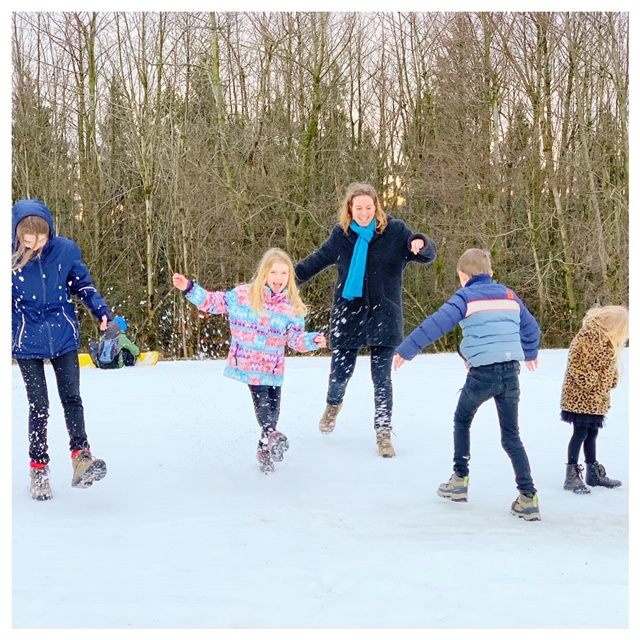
<point x="266" y="404"/>
<point x="343" y="362"/>
<point x="586" y="436"/>
<point x="67" y="371"/>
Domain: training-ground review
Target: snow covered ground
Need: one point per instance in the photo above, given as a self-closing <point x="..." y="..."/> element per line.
<point x="185" y="532"/>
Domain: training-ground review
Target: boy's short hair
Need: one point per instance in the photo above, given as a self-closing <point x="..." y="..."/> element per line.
<point x="473" y="262"/>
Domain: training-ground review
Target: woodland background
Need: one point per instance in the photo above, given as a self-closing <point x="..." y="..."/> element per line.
<point x="195" y="141"/>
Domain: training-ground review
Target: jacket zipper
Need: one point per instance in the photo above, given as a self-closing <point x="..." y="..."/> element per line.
<point x="45" y="322"/>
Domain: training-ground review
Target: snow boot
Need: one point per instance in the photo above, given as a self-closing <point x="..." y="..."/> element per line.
<point x="383" y="438"/>
<point x="328" y="420"/>
<point x="86" y="469"/>
<point x="40" y="487"/>
<point x="525" y="506"/>
<point x="264" y="460"/>
<point x="277" y="445"/>
<point x="573" y="480"/>
<point x="456" y="489"/>
<point x="597" y="476"/>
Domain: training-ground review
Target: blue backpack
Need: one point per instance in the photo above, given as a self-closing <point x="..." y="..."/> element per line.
<point x="108" y="352"/>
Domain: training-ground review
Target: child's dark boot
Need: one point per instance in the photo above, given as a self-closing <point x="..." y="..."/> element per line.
<point x="573" y="480"/>
<point x="597" y="476"/>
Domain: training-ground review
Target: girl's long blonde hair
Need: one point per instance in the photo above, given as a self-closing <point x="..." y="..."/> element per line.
<point x="257" y="285"/>
<point x="29" y="225"/>
<point x="614" y="322"/>
<point x="345" y="215"/>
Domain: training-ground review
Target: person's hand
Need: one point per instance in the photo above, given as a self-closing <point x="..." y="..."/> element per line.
<point x="321" y="341"/>
<point x="417" y="244"/>
<point x="398" y="361"/>
<point x="532" y="365"/>
<point x="104" y="321"/>
<point x="179" y="281"/>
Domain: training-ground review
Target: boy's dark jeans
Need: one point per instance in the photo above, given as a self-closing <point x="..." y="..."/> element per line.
<point x="343" y="362"/>
<point x="498" y="381"/>
<point x="67" y="370"/>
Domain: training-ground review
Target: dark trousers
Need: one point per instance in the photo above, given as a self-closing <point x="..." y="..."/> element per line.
<point x="128" y="359"/>
<point x="582" y="435"/>
<point x="67" y="371"/>
<point x="343" y="362"/>
<point x="266" y="404"/>
<point x="498" y="381"/>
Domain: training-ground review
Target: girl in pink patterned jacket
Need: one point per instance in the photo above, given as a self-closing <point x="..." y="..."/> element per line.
<point x="264" y="315"/>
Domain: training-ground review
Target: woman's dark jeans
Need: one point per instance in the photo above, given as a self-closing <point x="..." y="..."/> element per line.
<point x="67" y="371"/>
<point x="343" y="362"/>
<point x="498" y="381"/>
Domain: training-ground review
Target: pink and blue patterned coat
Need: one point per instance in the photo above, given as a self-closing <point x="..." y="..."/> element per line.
<point x="256" y="355"/>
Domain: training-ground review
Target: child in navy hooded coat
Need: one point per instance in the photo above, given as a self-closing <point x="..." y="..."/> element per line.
<point x="46" y="270"/>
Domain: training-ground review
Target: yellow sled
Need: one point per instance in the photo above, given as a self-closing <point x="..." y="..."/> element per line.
<point x="145" y="359"/>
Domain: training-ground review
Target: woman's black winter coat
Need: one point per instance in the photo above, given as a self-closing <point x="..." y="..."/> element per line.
<point x="375" y="319"/>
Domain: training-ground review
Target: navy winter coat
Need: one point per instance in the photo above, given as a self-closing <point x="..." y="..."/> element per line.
<point x="43" y="318"/>
<point x="496" y="325"/>
<point x="375" y="319"/>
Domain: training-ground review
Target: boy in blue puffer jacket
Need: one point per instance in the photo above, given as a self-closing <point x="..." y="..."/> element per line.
<point x="498" y="332"/>
<point x="46" y="270"/>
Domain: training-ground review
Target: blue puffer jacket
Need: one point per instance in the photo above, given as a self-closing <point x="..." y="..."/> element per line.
<point x="43" y="318"/>
<point x="496" y="326"/>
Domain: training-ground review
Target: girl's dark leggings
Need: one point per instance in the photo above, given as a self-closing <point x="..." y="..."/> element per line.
<point x="586" y="436"/>
<point x="67" y="371"/>
<point x="266" y="404"/>
<point x="343" y="362"/>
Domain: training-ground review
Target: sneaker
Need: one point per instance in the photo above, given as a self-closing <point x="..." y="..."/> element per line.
<point x="278" y="443"/>
<point x="40" y="487"/>
<point x="456" y="489"/>
<point x="264" y="460"/>
<point x="383" y="438"/>
<point x="328" y="420"/>
<point x="86" y="469"/>
<point x="526" y="507"/>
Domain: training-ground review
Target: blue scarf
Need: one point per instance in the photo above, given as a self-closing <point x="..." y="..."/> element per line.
<point x="355" y="277"/>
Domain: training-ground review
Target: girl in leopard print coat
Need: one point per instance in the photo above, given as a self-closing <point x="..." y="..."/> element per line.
<point x="592" y="371"/>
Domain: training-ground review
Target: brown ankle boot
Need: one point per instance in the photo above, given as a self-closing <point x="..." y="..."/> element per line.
<point x="383" y="438"/>
<point x="328" y="420"/>
<point x="86" y="469"/>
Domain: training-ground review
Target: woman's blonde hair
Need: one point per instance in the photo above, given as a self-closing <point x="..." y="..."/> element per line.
<point x="257" y="285"/>
<point x="345" y="215"/>
<point x="29" y="225"/>
<point x="614" y="322"/>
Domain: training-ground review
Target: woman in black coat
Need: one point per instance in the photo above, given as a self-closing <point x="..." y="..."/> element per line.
<point x="371" y="250"/>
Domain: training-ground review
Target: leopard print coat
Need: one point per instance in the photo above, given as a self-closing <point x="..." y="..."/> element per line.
<point x="592" y="371"/>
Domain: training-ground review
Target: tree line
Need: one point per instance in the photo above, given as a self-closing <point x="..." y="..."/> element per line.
<point x="194" y="141"/>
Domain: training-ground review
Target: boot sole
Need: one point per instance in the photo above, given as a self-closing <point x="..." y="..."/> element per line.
<point x="454" y="497"/>
<point x="606" y="486"/>
<point x="96" y="471"/>
<point x="529" y="517"/>
<point x="580" y="492"/>
<point x="42" y="498"/>
<point x="327" y="429"/>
